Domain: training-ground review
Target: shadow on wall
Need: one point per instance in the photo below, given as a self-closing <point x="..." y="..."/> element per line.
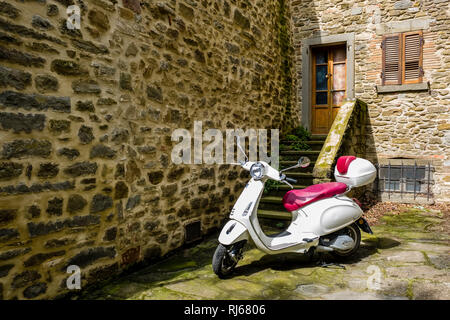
<point x="359" y="141"/>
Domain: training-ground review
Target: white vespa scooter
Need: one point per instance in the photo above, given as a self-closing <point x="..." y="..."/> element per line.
<point x="324" y="219"/>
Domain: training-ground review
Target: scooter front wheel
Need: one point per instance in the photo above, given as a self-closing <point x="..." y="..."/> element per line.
<point x="225" y="259"/>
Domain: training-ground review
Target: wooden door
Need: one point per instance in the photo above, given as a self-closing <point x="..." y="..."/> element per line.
<point x="328" y="87"/>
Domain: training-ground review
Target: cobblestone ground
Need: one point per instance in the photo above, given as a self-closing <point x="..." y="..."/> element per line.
<point x="407" y="257"/>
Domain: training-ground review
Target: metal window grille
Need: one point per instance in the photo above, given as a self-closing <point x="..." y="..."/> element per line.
<point x="405" y="179"/>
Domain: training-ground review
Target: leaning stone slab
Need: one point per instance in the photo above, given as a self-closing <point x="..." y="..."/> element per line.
<point x="322" y="168"/>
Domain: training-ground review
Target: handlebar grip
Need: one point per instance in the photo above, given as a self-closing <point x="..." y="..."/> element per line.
<point x="291" y="180"/>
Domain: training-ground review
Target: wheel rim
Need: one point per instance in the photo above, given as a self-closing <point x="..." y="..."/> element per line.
<point x="227" y="264"/>
<point x="351" y="232"/>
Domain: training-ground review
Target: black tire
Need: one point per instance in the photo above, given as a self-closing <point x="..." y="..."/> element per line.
<point x="354" y="232"/>
<point x="222" y="263"/>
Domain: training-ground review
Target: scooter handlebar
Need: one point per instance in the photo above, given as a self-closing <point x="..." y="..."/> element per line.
<point x="290" y="180"/>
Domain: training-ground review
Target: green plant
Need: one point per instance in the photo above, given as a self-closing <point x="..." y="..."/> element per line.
<point x="271" y="185"/>
<point x="291" y="137"/>
<point x="301" y="133"/>
<point x="300" y="146"/>
<point x="297" y="138"/>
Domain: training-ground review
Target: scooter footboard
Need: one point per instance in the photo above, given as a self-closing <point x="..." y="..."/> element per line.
<point x="233" y="232"/>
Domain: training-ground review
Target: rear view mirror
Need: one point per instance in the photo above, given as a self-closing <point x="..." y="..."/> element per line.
<point x="304" y="162"/>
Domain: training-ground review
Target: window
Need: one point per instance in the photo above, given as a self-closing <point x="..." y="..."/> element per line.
<point x="402" y="58"/>
<point x="405" y="179"/>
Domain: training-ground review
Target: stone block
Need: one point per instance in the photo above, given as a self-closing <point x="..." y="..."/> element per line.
<point x="16" y="100"/>
<point x="100" y="203"/>
<point x="41" y="23"/>
<point x="8" y="10"/>
<point x="81" y="168"/>
<point x="26" y="148"/>
<point x="20" y="58"/>
<point x="67" y="68"/>
<point x="23" y="279"/>
<point x="59" y="126"/>
<point x="133" y="5"/>
<point x="240" y="20"/>
<point x="6" y="216"/>
<point x="85" y="134"/>
<point x="14" y="78"/>
<point x="89" y="256"/>
<point x="10" y="170"/>
<point x="99" y="19"/>
<point x="8" y="234"/>
<point x="48" y="170"/>
<point x="46" y="83"/>
<point x="102" y="151"/>
<point x="35" y="290"/>
<point x="76" y="203"/>
<point x="86" y="86"/>
<point x="68" y="153"/>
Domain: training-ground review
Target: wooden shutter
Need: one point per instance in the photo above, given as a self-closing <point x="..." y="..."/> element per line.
<point x="412" y="57"/>
<point x="392" y="67"/>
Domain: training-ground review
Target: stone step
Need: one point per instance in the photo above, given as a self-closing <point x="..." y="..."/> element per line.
<point x="282" y="189"/>
<point x="294" y="155"/>
<point x="272" y="199"/>
<point x="319" y="137"/>
<point x="299" y="175"/>
<point x="300" y="152"/>
<point x="286" y="188"/>
<point x="311" y="142"/>
<point x="273" y="214"/>
<point x="290" y="163"/>
<point x="314" y="145"/>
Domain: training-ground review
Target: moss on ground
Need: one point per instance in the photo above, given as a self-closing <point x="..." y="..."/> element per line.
<point x="188" y="274"/>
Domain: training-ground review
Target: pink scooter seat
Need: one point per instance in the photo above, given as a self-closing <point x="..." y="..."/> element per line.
<point x="297" y="198"/>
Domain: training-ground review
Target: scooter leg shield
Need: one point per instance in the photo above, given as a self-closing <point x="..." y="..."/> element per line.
<point x="233" y="232"/>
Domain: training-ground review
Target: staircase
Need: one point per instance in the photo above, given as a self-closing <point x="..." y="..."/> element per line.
<point x="271" y="204"/>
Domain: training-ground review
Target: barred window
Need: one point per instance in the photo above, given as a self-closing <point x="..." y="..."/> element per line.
<point x="405" y="179"/>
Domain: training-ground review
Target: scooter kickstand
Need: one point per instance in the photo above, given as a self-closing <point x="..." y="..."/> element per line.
<point x="323" y="264"/>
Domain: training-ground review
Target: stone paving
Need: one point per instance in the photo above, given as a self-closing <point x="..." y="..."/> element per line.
<point x="407" y="257"/>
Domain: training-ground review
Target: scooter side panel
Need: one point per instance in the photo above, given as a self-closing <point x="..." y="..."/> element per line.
<point x="331" y="214"/>
<point x="233" y="232"/>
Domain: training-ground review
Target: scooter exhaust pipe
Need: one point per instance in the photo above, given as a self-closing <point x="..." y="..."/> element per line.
<point x="342" y="242"/>
<point x="321" y="248"/>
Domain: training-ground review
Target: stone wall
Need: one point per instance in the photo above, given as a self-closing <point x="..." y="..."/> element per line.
<point x="409" y="124"/>
<point x="86" y="118"/>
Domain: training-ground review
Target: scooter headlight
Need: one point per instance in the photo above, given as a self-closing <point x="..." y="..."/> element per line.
<point x="257" y="171"/>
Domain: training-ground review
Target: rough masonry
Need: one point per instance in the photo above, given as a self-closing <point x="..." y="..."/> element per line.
<point x="86" y="118"/>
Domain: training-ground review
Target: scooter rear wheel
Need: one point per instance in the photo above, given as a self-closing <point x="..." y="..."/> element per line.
<point x="222" y="263"/>
<point x="353" y="231"/>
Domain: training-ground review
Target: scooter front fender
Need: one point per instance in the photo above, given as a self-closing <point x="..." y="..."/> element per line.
<point x="233" y="232"/>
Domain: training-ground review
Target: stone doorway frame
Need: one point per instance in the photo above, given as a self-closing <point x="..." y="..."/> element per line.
<point x="349" y="40"/>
